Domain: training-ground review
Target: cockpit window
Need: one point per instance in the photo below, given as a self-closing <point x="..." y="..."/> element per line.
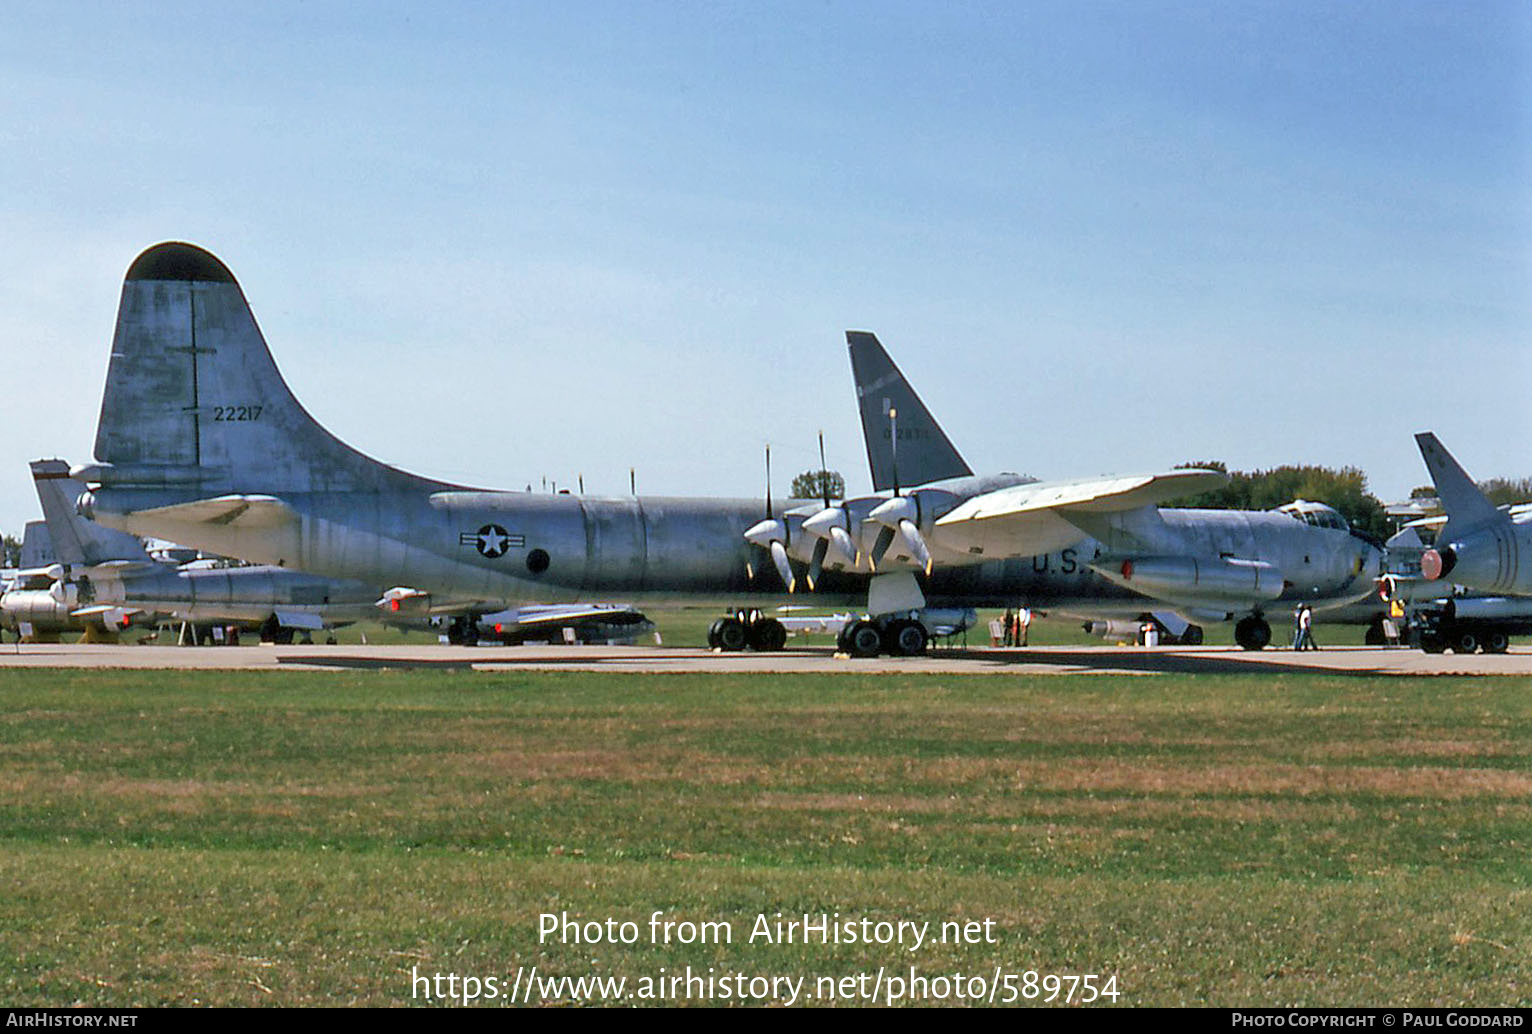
<point x="1317" y="515"/>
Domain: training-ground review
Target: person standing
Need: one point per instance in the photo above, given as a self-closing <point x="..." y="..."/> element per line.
<point x="1306" y="628"/>
<point x="1394" y="624"/>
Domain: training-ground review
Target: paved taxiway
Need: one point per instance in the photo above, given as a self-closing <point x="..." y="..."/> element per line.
<point x="1060" y="660"/>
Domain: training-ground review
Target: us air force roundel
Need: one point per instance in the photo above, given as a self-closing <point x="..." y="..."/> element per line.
<point x="491" y="540"/>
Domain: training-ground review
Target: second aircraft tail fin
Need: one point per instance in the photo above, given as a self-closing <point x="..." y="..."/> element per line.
<point x="922" y="452"/>
<point x="77" y="541"/>
<point x="1465" y="505"/>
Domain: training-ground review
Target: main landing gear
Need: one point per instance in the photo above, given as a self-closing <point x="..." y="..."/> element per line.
<point x="868" y="637"/>
<point x="744" y="628"/>
<point x="463" y="630"/>
<point x="900" y="636"/>
<point x="1253" y="633"/>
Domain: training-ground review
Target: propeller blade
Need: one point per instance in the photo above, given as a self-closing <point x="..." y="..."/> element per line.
<point x="841" y="540"/>
<point x="880" y="547"/>
<point x="916" y="544"/>
<point x="817" y="561"/>
<point x="785" y="569"/>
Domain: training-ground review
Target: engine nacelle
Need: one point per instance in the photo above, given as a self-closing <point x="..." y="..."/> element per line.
<point x="1195" y="578"/>
<point x="36" y="607"/>
<point x="1488" y="558"/>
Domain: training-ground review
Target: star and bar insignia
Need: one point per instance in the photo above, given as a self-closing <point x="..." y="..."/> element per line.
<point x="491" y="540"/>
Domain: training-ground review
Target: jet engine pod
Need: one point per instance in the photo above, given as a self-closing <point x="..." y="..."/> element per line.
<point x="1194" y="578"/>
<point x="1488" y="559"/>
<point x="1485" y="559"/>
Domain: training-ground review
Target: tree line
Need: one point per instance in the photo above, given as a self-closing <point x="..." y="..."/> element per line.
<point x="1345" y="490"/>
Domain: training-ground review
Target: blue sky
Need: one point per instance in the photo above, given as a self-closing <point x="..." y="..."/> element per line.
<point x="499" y="243"/>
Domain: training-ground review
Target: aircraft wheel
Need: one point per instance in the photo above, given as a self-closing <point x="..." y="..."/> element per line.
<point x="1465" y="642"/>
<point x="1374" y="635"/>
<point x="1497" y="642"/>
<point x="768" y="635"/>
<point x="1433" y="643"/>
<point x="907" y="638"/>
<point x="842" y="638"/>
<point x="732" y="636"/>
<point x="1252" y="633"/>
<point x="712" y="633"/>
<point x="1192" y="636"/>
<point x="864" y="640"/>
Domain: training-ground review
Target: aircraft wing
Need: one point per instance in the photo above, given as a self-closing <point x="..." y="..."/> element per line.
<point x="109" y="615"/>
<point x="553" y="614"/>
<point x="241" y="511"/>
<point x="118" y="568"/>
<point x="1094" y="495"/>
<point x="1043" y="516"/>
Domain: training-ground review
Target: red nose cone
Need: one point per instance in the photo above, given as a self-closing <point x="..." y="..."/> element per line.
<point x="1431" y="565"/>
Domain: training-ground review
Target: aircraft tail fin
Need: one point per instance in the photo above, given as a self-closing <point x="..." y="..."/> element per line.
<point x="194" y="400"/>
<point x="36" y="546"/>
<point x="1466" y="506"/>
<point x="924" y="452"/>
<point x="77" y="541"/>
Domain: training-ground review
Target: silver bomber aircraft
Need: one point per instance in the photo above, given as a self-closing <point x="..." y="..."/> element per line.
<point x="1093" y="547"/>
<point x="201" y="441"/>
<point x="1481" y="546"/>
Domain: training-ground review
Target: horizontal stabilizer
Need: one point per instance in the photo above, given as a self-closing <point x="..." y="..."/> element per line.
<point x="554" y="615"/>
<point x="118" y="568"/>
<point x="108" y="613"/>
<point x="102" y="608"/>
<point x="1095" y="495"/>
<point x="239" y="511"/>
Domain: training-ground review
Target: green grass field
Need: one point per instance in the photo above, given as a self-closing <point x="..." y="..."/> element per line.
<point x="314" y="838"/>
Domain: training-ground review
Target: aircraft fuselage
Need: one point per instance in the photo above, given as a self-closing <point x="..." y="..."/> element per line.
<point x="517" y="546"/>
